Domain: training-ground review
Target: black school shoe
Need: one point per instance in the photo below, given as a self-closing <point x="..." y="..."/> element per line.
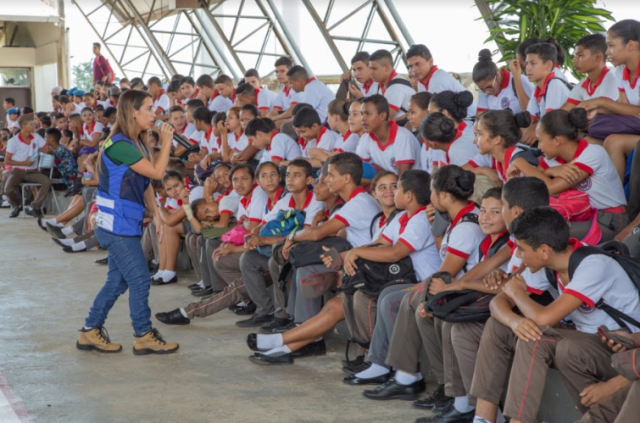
<point x="68" y="249"/>
<point x="173" y="317"/>
<point x="274" y="359"/>
<point x="314" y="348"/>
<point x="437" y="400"/>
<point x="393" y="390"/>
<point x="55" y="231"/>
<point x="252" y="343"/>
<point x="278" y="323"/>
<point x="102" y="261"/>
<point x="378" y="380"/>
<point x="248" y="310"/>
<point x="203" y="292"/>
<point x="35" y="212"/>
<point x="15" y="211"/>
<point x="254" y="321"/>
<point x="449" y="415"/>
<point x="162" y="282"/>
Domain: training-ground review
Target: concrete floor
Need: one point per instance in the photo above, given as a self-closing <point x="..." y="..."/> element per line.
<point x="45" y="295"/>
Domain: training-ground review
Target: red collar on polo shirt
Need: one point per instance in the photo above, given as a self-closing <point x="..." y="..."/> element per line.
<point x="591" y="88"/>
<point x="540" y="92"/>
<point x="486" y="243"/>
<point x="257" y="93"/>
<point x="313" y="78"/>
<point x="85" y="127"/>
<point x="506" y="77"/>
<point x="426" y="145"/>
<point x="195" y="95"/>
<point x="286" y="91"/>
<point x="245" y="201"/>
<point x="582" y="145"/>
<point x="405" y="218"/>
<point x="466" y="210"/>
<point x="277" y="197"/>
<point x="327" y="212"/>
<point x="386" y="84"/>
<point x="461" y="128"/>
<point x="626" y="76"/>
<point x="233" y="96"/>
<point x="382" y="221"/>
<point x="346" y="135"/>
<point x="428" y="78"/>
<point x="239" y="134"/>
<point x="393" y="132"/>
<point x="208" y="134"/>
<point x="303" y="141"/>
<point x="367" y="86"/>
<point x="184" y="128"/>
<point x="307" y="201"/>
<point x="355" y="192"/>
<point x="215" y="94"/>
<point x="502" y="167"/>
<point x="159" y="95"/>
<point x="273" y="134"/>
<point x="22" y="139"/>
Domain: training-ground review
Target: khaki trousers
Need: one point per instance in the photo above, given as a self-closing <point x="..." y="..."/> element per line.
<point x="17" y="176"/>
<point x="360" y="315"/>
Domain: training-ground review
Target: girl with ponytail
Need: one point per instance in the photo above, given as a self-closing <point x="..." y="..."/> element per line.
<point x="338" y="118"/>
<point x="418" y="109"/>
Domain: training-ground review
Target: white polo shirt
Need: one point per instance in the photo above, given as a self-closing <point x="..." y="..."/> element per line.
<point x="107" y="103"/>
<point x="605" y="86"/>
<point x="22" y="151"/>
<point x="162" y="103"/>
<point x="265" y="99"/>
<point x="311" y="207"/>
<point x="401" y="148"/>
<point x="415" y="232"/>
<point x="429" y="157"/>
<point x="398" y="95"/>
<point x="486" y="160"/>
<point x="440" y="80"/>
<point x="461" y="149"/>
<point x="349" y="143"/>
<point x="463" y="239"/>
<point x="241" y="143"/>
<point x="287" y="98"/>
<point x="506" y="98"/>
<point x="282" y="147"/>
<point x="369" y="88"/>
<point x="357" y="214"/>
<point x="624" y="84"/>
<point x="195" y="137"/>
<point x="220" y="104"/>
<point x="558" y="73"/>
<point x="89" y="131"/>
<point x="602" y="186"/>
<point x="318" y="96"/>
<point x="209" y="141"/>
<point x="252" y="209"/>
<point x="233" y="139"/>
<point x="228" y="203"/>
<point x="551" y="96"/>
<point x="327" y="140"/>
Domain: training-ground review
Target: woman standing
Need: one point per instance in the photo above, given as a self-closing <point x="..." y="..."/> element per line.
<point x="125" y="168"/>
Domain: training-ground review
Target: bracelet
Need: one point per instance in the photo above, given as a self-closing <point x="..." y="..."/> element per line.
<point x="188" y="211"/>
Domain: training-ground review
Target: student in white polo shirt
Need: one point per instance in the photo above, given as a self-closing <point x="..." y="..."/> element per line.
<point x="260" y="97"/>
<point x="225" y="94"/>
<point x="276" y="146"/>
<point x="551" y="93"/>
<point x="208" y="92"/>
<point x="178" y="120"/>
<point x="316" y="94"/>
<point x="364" y="85"/>
<point x="313" y="135"/>
<point x="396" y="89"/>
<point x="429" y="158"/>
<point x="188" y="89"/>
<point x="190" y="133"/>
<point x="385" y="144"/>
<point x="161" y="101"/>
<point x="243" y="150"/>
<point x="287" y="97"/>
<point x="498" y="90"/>
<point x="338" y="119"/>
<point x="521" y="56"/>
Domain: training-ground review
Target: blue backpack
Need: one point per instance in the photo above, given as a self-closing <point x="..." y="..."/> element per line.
<point x="286" y="222"/>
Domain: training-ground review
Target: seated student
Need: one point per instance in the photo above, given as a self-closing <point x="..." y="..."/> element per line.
<point x="429" y="158"/>
<point x="7" y="104"/>
<point x="306" y="339"/>
<point x="572" y="162"/>
<point x="260" y="97"/>
<point x="175" y="95"/>
<point x="178" y="119"/>
<point x="396" y="89"/>
<point x="225" y="94"/>
<point x="364" y="85"/>
<point x="207" y="91"/>
<point x="338" y="120"/>
<point x="243" y="151"/>
<point x="190" y="132"/>
<point x="542" y="236"/>
<point x="521" y="56"/>
<point x="316" y="94"/>
<point x="113" y="94"/>
<point x="161" y="102"/>
<point x="286" y="98"/>
<point x="91" y="133"/>
<point x="498" y="87"/>
<point x="230" y="133"/>
<point x="314" y="136"/>
<point x="202" y="121"/>
<point x="213" y="151"/>
<point x="276" y="147"/>
<point x="430" y="78"/>
<point x="188" y="89"/>
<point x="13" y="115"/>
<point x="497" y="140"/>
<point x="109" y="117"/>
<point x="61" y="122"/>
<point x="385" y="144"/>
<point x="65" y="163"/>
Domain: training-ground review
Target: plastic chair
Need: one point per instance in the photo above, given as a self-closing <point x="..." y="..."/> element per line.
<point x="45" y="161"/>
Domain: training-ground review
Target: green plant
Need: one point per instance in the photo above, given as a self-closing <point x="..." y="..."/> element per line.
<point x="513" y="21"/>
<point x="83" y="76"/>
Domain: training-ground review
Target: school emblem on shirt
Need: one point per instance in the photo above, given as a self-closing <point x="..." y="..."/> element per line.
<point x="584" y="185"/>
<point x="505" y="103"/>
<point x="585" y="309"/>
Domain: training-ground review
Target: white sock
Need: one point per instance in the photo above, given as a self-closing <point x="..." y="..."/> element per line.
<point x="462" y="404"/>
<point x="241" y="304"/>
<point x="68" y="242"/>
<point x="374" y="370"/>
<point x="184" y="313"/>
<point x="500" y="418"/>
<point x="158" y="275"/>
<point x="168" y="275"/>
<point x="51" y="222"/>
<point x="478" y="419"/>
<point x="405" y="378"/>
<point x="282" y="349"/>
<point x="154" y="261"/>
<point x="201" y="284"/>
<point x="67" y="231"/>
<point x="267" y="342"/>
<point x="79" y="246"/>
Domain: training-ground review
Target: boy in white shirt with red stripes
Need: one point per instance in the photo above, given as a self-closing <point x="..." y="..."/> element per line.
<point x="161" y="101"/>
<point x="395" y="88"/>
<point x="316" y="94"/>
<point x="313" y="134"/>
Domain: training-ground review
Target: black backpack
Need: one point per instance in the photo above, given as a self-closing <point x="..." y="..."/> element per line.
<point x="379" y="215"/>
<point x="618" y="252"/>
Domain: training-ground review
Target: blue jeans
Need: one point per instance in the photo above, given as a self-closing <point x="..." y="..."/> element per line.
<point x="127" y="270"/>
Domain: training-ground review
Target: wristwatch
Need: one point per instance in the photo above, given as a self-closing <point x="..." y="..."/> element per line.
<point x="291" y="236"/>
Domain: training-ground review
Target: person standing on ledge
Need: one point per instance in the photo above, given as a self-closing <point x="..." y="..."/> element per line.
<point x="101" y="68"/>
<point x="125" y="168"/>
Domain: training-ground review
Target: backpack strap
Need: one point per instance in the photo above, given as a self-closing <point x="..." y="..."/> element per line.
<point x="565" y="83"/>
<point x="400" y="81"/>
<point x="373" y="222"/>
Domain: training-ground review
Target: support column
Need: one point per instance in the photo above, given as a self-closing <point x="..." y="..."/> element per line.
<point x="61" y="48"/>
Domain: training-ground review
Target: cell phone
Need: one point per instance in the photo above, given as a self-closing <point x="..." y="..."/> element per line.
<point x="618" y="339"/>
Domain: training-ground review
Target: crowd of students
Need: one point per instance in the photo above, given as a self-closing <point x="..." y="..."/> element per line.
<point x="292" y="205"/>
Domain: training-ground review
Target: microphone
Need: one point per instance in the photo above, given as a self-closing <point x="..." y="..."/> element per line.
<point x="176" y="137"/>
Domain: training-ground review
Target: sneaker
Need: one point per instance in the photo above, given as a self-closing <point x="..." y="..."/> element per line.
<point x="153" y="343"/>
<point x="55" y="231"/>
<point x="96" y="339"/>
<point x="278" y="323"/>
<point x="173" y="317"/>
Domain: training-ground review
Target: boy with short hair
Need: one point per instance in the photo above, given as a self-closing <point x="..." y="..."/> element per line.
<point x="550" y="93"/>
<point x="90" y="100"/>
<point x="61" y="122"/>
<point x="7" y="104"/>
<point x="260" y="97"/>
<point x="252" y="77"/>
<point x="277" y="147"/>
<point x="286" y="98"/>
<point x="362" y="74"/>
<point x="65" y="162"/>
<point x="207" y="93"/>
<point x="396" y="89"/>
<point x="226" y="94"/>
<point x="109" y="117"/>
<point x="316" y="94"/>
<point x="188" y="90"/>
<point x="313" y="135"/>
<point x="161" y="102"/>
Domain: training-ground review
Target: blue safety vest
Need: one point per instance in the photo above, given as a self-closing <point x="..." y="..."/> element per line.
<point x="120" y="195"/>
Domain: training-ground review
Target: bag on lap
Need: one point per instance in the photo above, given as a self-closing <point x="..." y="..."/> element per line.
<point x="285" y="222"/>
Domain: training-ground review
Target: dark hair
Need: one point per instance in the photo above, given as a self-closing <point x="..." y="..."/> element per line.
<point x="124" y="81"/>
<point x="176" y="77"/>
<point x="560" y="123"/>
<point x="378" y="100"/>
<point x="219" y="117"/>
<point x="523" y="46"/>
<point x="454" y="180"/>
<point x="136" y="81"/>
<point x="503" y="123"/>
<point x="559" y="51"/>
<point x="541" y="226"/>
<point x="437" y="127"/>
<point x="26" y="110"/>
<point x="485" y="68"/>
<point x="86" y="109"/>
<point x="454" y="103"/>
<point x="495" y="193"/>
<point x="97" y="45"/>
<point x="155" y="81"/>
<point x="99" y="108"/>
<point x="422" y="100"/>
<point x="59" y="116"/>
<point x="547" y="52"/>
<point x="40" y="132"/>
<point x="55" y="133"/>
<point x="298" y="72"/>
<point x="89" y="94"/>
<point x="348" y="164"/>
<point x="339" y="107"/>
<point x="246" y="90"/>
<point x="265" y="164"/>
<point x="627" y="30"/>
<point x="526" y="193"/>
<point x="173" y="87"/>
<point x="380" y="175"/>
<point x="284" y="61"/>
<point x="304" y="164"/>
<point x="195" y="205"/>
<point x="172" y="174"/>
<point x="155" y="135"/>
<point x="361" y="56"/>
<point x="203" y="114"/>
<point x="418" y="183"/>
<point x="419" y="50"/>
<point x="176" y="108"/>
<point x="67" y="133"/>
<point x="241" y="166"/>
<point x="194" y="104"/>
<point x="306" y="117"/>
<point x="45" y="120"/>
<point x="205" y="81"/>
<point x="223" y="79"/>
<point x="251" y="72"/>
<point x="187" y="80"/>
<point x="110" y="111"/>
<point x="595" y="43"/>
<point x="10" y="100"/>
<point x="251" y="108"/>
<point x="299" y="107"/>
<point x="41" y="114"/>
<point x="381" y="56"/>
<point x="259" y="124"/>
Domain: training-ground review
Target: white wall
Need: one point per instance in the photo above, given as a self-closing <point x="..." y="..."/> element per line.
<point x="45" y="77"/>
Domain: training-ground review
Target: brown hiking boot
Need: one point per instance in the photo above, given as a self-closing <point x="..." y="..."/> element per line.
<point x="96" y="339"/>
<point x="152" y="343"/>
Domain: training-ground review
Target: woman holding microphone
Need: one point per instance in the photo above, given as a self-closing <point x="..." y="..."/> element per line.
<point x="125" y="169"/>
